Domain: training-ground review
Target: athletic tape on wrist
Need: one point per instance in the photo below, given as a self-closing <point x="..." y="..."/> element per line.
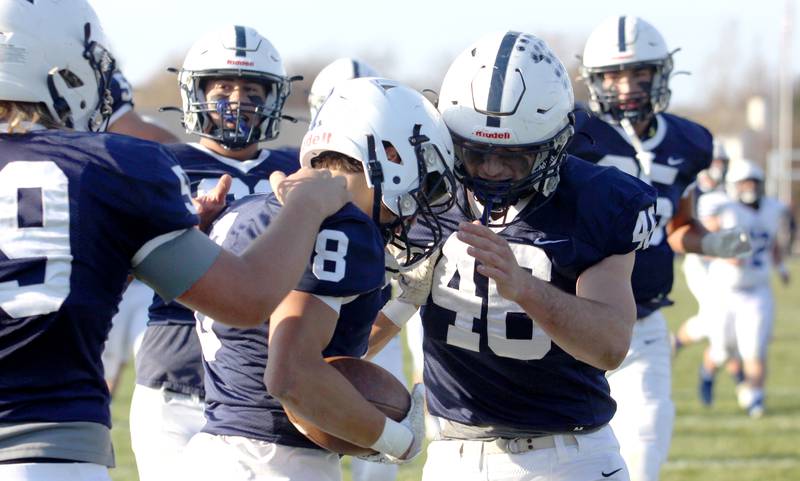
<point x="394" y="440"/>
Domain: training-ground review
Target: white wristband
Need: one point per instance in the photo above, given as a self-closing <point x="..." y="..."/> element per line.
<point x="399" y="312"/>
<point x="394" y="440"/>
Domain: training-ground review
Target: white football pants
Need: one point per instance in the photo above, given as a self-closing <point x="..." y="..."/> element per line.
<point x="642" y="388"/>
<point x="127" y="328"/>
<point x="594" y="457"/>
<point x="53" y="472"/>
<point x="162" y="423"/>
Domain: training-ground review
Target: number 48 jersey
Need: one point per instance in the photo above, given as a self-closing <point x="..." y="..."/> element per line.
<point x="75" y="210"/>
<point x="487" y="363"/>
<point x="347" y="263"/>
<point x="681" y="149"/>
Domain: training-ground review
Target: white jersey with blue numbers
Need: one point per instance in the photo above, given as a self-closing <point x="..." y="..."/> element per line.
<point x="681" y="149"/>
<point x="347" y="263"/>
<point x="487" y="363"/>
<point x="170" y="353"/>
<point x="77" y="208"/>
<point x="762" y="225"/>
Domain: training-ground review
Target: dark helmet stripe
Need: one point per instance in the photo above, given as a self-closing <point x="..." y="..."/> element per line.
<point x="241" y="41"/>
<point x="495" y="100"/>
<point x="356" y="73"/>
<point x="621" y="34"/>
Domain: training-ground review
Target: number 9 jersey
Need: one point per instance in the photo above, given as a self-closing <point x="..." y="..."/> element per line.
<point x="487" y="363"/>
<point x="77" y="211"/>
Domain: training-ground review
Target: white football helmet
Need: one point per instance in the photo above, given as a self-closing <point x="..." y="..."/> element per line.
<point x="237" y="52"/>
<point x="740" y="171"/>
<point x="361" y="118"/>
<point x="53" y="52"/>
<point x="626" y="43"/>
<point x="345" y="68"/>
<point x="509" y="95"/>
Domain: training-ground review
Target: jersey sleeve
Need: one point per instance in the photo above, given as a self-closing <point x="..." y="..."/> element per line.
<point x="348" y="259"/>
<point x="122" y="95"/>
<point x="142" y="192"/>
<point x="627" y="220"/>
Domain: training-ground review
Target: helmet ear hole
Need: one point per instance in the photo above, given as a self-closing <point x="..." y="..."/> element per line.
<point x="391" y="153"/>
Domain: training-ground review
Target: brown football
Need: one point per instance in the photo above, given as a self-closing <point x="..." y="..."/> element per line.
<point x="376" y="384"/>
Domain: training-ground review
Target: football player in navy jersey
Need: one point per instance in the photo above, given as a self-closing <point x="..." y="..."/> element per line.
<point x="81" y="211"/>
<point x="391" y="145"/>
<point x="626" y="66"/>
<point x="233" y="86"/>
<point x="391" y="357"/>
<point x="524" y="314"/>
<point x="129" y="323"/>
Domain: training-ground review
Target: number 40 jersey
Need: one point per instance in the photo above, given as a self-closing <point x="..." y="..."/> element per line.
<point x="487" y="363"/>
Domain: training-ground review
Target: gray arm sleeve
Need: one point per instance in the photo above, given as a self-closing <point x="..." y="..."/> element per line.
<point x="174" y="266"/>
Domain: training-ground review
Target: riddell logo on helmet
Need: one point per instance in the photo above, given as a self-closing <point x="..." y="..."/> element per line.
<point x="243" y="63"/>
<point x="493" y="135"/>
<point x="321" y="138"/>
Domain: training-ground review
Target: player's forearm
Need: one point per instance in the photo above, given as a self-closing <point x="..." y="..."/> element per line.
<point x="687" y="238"/>
<point x="383" y="330"/>
<point x="273" y="264"/>
<point x="317" y="392"/>
<point x="595" y="332"/>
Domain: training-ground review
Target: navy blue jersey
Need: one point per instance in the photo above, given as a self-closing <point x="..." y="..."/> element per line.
<point x="78" y="207"/>
<point x="170" y="357"/>
<point x="122" y="95"/>
<point x="348" y="261"/>
<point x="682" y="149"/>
<point x="486" y="362"/>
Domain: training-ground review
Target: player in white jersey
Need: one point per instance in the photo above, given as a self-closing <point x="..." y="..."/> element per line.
<point x="743" y="315"/>
<point x="710" y="197"/>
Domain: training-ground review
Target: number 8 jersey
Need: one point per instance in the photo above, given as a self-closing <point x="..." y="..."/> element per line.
<point x="488" y="364"/>
<point x="347" y="263"/>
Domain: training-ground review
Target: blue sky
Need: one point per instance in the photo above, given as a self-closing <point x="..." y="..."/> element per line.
<point x="147" y="32"/>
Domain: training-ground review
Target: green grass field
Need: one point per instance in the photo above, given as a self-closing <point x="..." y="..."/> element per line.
<point x="720" y="443"/>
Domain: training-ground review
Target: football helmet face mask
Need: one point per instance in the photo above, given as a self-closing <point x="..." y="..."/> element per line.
<point x="234" y="52"/>
<point x="340" y="69"/>
<point x="369" y="118"/>
<point x="68" y="70"/>
<point x="507" y="98"/>
<point x="627" y="44"/>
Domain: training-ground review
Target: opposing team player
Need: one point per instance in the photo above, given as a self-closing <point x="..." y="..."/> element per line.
<point x="233" y="86"/>
<point x="393" y="149"/>
<point x="743" y="307"/>
<point x="627" y="66"/>
<point x="710" y="196"/>
<point x="80" y="211"/>
<point x="391" y="357"/>
<point x="525" y="315"/>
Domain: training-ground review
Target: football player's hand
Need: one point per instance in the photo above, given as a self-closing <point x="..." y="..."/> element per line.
<point x="415" y="421"/>
<point x="210" y="204"/>
<point x="316" y="189"/>
<point x="495" y="259"/>
<point x="727" y="243"/>
<point x="413" y="285"/>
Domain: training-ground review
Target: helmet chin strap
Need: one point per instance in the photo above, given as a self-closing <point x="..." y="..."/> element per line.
<point x="644" y="157"/>
<point x="376" y="177"/>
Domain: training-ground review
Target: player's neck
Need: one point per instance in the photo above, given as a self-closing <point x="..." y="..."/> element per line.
<point x="247" y="153"/>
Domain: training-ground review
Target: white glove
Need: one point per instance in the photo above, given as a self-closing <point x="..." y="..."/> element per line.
<point x="415" y="422"/>
<point x="413" y="286"/>
<point x="727" y="243"/>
